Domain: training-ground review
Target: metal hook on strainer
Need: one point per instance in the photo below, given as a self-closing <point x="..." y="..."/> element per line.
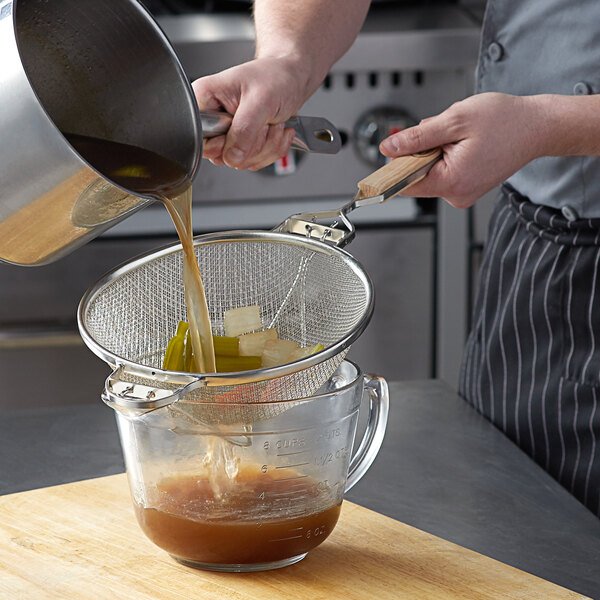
<point x="309" y="289"/>
<point x="378" y="187"/>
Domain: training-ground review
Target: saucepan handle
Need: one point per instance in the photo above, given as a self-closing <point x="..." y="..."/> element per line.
<point x="313" y="134"/>
<point x="379" y="404"/>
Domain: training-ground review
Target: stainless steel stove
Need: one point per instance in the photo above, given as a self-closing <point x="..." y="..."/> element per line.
<point x="408" y="62"/>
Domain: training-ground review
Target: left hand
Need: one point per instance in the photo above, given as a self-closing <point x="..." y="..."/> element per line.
<point x="261" y="94"/>
<point x="485" y="139"/>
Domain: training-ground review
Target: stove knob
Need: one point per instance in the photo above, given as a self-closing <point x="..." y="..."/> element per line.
<point x="374" y="126"/>
<point x="286" y="165"/>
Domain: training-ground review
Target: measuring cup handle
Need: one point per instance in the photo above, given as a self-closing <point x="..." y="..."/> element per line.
<point x="379" y="404"/>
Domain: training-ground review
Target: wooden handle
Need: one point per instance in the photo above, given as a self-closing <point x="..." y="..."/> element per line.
<point x="397" y="170"/>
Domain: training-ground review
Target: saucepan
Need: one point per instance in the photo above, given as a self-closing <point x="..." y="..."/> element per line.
<point x="104" y="70"/>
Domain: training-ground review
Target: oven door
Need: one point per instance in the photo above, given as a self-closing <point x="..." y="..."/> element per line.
<point x="43" y="361"/>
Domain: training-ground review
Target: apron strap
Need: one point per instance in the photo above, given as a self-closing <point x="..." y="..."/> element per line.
<point x="550" y="224"/>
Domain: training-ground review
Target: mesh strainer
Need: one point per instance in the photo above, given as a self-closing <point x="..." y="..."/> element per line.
<point x="309" y="289"/>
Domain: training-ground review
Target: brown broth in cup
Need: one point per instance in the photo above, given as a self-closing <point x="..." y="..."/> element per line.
<point x="185" y="518"/>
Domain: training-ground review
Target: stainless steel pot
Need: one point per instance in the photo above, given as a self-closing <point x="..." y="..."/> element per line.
<point x="97" y="68"/>
<point x="100" y="68"/>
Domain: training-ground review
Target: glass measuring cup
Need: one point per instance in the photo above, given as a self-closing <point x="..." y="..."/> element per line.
<point x="241" y="497"/>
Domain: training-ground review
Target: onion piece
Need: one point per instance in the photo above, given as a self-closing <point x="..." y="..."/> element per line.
<point x="242" y="320"/>
<point x="276" y="352"/>
<point x="253" y="344"/>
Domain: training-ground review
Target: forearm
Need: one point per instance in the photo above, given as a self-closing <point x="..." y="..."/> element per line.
<point x="297" y="42"/>
<point x="314" y="33"/>
<point x="488" y="137"/>
<point x="566" y="125"/>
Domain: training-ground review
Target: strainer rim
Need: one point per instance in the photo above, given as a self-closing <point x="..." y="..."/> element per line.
<point x="240" y="376"/>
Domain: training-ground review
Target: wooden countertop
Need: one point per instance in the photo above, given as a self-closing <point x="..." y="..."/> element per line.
<point x="442" y="469"/>
<point x="81" y="541"/>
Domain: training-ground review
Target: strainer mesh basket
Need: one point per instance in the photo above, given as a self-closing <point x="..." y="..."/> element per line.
<point x="309" y="292"/>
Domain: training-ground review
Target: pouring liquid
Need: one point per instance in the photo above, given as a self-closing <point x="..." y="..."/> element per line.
<point x="149" y="174"/>
<point x="215" y="516"/>
<point x="180" y="209"/>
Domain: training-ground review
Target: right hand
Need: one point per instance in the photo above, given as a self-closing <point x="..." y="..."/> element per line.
<point x="485" y="139"/>
<point x="261" y="95"/>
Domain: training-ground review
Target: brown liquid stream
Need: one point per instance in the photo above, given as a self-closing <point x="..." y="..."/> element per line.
<point x="180" y="209"/>
<point x="225" y="515"/>
<point x="185" y="518"/>
<point x="150" y="174"/>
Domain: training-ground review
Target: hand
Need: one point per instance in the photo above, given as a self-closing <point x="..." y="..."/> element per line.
<point x="485" y="139"/>
<point x="261" y="95"/>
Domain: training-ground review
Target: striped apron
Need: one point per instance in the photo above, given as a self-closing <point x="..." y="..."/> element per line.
<point x="532" y="360"/>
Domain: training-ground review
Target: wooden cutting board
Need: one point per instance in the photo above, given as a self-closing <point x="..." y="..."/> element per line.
<point x="81" y="541"/>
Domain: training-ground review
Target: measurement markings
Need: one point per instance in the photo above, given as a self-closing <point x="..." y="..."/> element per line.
<point x="290" y="466"/>
<point x="293" y="488"/>
<point x="291" y="478"/>
<point x="287" y="496"/>
<point x="288" y="493"/>
<point x="292" y="453"/>
<point x="294" y="537"/>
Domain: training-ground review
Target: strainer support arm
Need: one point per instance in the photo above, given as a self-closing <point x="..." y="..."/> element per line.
<point x="376" y="188"/>
<point x="130" y="398"/>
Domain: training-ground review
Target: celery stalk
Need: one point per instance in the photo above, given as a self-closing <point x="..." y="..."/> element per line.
<point x="226" y="346"/>
<point x="174" y="354"/>
<point x="232" y="364"/>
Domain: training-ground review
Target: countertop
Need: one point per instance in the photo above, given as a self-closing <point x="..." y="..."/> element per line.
<point x="442" y="468"/>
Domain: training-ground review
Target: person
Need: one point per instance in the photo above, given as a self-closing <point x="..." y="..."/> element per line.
<point x="532" y="359"/>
